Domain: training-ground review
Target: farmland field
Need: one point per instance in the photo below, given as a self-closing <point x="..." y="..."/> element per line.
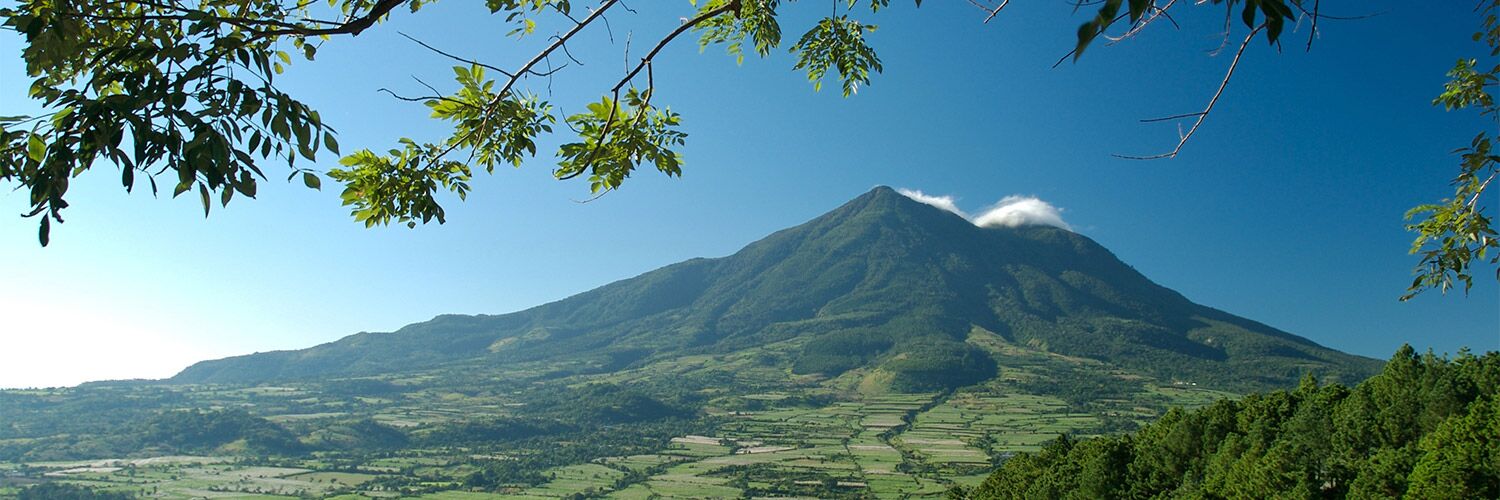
<point x="690" y="427"/>
<point x="874" y="445"/>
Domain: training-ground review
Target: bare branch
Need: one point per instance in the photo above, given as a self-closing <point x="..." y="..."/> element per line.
<point x="996" y="11"/>
<point x="558" y="42"/>
<point x="418" y="98"/>
<point x="566" y="52"/>
<point x="451" y="56"/>
<point x="1474" y="202"/>
<point x="1156" y="13"/>
<point x="1313" y="32"/>
<point x="728" y="7"/>
<point x="1202" y="115"/>
<point x="1173" y="117"/>
<point x="424" y="84"/>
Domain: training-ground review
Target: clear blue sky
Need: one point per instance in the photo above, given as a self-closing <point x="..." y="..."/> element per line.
<point x="1285" y="208"/>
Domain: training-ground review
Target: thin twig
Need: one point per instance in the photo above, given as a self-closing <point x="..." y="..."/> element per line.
<point x="489" y="108"/>
<point x="569" y="54"/>
<point x="1313" y="31"/>
<point x="559" y="42"/>
<point x="645" y="62"/>
<point x="1203" y="115"/>
<point x="1156" y="13"/>
<point x="1473" y="202"/>
<point x="451" y="56"/>
<point x="996" y="11"/>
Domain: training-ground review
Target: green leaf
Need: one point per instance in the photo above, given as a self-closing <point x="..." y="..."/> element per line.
<point x="203" y="196"/>
<point x="312" y="181"/>
<point x="1138" y="8"/>
<point x="1086" y="34"/>
<point x="35" y="148"/>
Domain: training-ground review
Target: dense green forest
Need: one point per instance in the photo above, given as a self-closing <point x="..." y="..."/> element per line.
<point x="1426" y="427"/>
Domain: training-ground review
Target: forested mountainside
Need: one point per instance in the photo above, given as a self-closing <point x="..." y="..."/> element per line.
<point x="883" y="286"/>
<point x="887" y="348"/>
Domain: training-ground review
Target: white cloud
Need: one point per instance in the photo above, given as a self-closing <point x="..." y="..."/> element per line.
<point x="1013" y="211"/>
<point x="943" y="202"/>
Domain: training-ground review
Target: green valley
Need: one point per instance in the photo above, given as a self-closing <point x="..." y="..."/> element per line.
<point x="415" y="436"/>
<point x="1290" y="297"/>
<point x="887" y="349"/>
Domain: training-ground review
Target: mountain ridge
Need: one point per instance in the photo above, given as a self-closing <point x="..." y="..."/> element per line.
<point x="871" y="285"/>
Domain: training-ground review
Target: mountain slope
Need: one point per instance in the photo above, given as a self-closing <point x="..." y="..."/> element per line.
<point x="882" y="286"/>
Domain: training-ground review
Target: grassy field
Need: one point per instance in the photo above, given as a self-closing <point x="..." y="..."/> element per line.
<point x="889" y="446"/>
<point x="208" y="480"/>
<point x="787" y="436"/>
<point x="885" y="446"/>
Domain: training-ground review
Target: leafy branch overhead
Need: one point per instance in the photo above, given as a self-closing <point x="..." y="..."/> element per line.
<point x="185" y="92"/>
<point x="1456" y="232"/>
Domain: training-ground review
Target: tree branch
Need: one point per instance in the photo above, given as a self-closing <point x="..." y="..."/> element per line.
<point x="558" y="42"/>
<point x="996" y="11"/>
<point x="453" y="57"/>
<point x="514" y="77"/>
<point x="353" y="27"/>
<point x="650" y="89"/>
<point x="1202" y="115"/>
<point x="1156" y="13"/>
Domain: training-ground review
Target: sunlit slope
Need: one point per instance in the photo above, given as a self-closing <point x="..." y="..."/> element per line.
<point x="882" y="284"/>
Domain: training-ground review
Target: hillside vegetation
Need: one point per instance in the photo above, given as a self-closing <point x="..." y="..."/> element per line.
<point x="886" y="349"/>
<point x="884" y="287"/>
<point x="1426" y="427"/>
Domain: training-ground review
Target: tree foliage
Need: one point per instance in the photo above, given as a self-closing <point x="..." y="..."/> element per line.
<point x="186" y="91"/>
<point x="1455" y="232"/>
<point x="201" y="431"/>
<point x="1426" y="427"/>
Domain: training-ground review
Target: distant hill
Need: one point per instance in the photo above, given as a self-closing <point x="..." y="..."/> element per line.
<point x="882" y="293"/>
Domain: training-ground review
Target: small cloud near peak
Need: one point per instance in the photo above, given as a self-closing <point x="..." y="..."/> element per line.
<point x="943" y="202"/>
<point x="1011" y="211"/>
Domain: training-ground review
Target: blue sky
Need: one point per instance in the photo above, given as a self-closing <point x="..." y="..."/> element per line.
<point x="1285" y="208"/>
